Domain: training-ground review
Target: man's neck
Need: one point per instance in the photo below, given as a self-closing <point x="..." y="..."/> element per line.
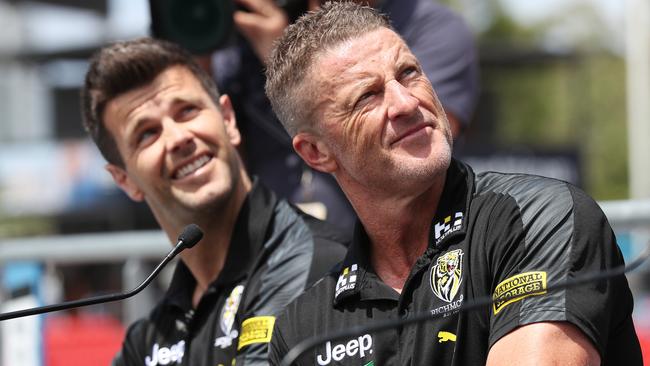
<point x="206" y="259"/>
<point x="398" y="230"/>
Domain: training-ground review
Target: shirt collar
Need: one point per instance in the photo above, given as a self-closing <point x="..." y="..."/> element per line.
<point x="449" y="221"/>
<point x="247" y="242"/>
<point x="448" y="224"/>
<point x="354" y="267"/>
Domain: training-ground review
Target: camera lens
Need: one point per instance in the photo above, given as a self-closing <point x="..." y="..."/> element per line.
<point x="200" y="26"/>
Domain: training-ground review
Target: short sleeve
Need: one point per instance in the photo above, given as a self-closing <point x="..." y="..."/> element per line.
<point x="549" y="232"/>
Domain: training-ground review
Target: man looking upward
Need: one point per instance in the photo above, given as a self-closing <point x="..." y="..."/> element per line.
<point x="432" y="235"/>
<point x="170" y="140"/>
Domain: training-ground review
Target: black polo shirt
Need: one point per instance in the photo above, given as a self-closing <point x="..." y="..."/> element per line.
<point x="275" y="251"/>
<point x="502" y="235"/>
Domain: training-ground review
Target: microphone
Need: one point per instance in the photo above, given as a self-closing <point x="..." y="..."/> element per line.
<point x="309" y="343"/>
<point x="188" y="238"/>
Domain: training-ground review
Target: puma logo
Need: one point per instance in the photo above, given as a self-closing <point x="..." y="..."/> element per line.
<point x="446" y="337"/>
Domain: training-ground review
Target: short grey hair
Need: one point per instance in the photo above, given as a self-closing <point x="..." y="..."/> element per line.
<point x="295" y="53"/>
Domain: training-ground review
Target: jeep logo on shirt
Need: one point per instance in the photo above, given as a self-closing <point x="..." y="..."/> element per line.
<point x="166" y="355"/>
<point x="354" y="347"/>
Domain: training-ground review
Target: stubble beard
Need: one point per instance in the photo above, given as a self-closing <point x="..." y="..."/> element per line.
<point x="213" y="202"/>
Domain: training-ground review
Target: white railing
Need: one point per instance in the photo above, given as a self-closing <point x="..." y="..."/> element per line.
<point x="627" y="214"/>
<point x="80" y="248"/>
<point x="623" y="215"/>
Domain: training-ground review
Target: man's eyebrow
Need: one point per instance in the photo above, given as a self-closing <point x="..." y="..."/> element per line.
<point x="138" y="124"/>
<point x="132" y="130"/>
<point x="185" y="99"/>
<point x="174" y="102"/>
<point x="407" y="59"/>
<point x="354" y="89"/>
<point x="134" y="126"/>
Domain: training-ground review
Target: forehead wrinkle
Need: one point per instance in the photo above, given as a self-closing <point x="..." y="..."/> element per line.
<point x="349" y="75"/>
<point x="154" y="97"/>
<point x="172" y="78"/>
<point x="404" y="56"/>
<point x="349" y="72"/>
<point x="344" y="58"/>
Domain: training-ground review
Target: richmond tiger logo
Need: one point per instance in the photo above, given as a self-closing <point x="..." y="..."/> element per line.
<point x="447" y="275"/>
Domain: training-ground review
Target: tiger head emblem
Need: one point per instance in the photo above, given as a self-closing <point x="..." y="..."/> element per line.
<point x="446" y="275"/>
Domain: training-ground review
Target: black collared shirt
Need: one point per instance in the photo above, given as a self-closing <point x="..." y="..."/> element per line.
<point x="505" y="236"/>
<point x="275" y="252"/>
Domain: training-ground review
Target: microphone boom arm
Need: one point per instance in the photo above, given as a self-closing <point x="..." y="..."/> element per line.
<point x="187" y="239"/>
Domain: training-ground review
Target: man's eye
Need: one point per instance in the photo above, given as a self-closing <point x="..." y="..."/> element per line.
<point x="146" y="136"/>
<point x="187" y="112"/>
<point x="409" y="71"/>
<point x="364" y="98"/>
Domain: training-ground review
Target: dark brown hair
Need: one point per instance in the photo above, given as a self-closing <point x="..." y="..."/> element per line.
<point x="122" y="67"/>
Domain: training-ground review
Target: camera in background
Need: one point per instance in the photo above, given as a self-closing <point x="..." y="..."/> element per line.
<point x="202" y="26"/>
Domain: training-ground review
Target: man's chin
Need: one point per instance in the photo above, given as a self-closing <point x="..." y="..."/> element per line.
<point x="210" y="203"/>
<point x="419" y="169"/>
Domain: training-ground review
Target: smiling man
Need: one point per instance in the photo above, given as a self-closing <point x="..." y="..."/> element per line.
<point x="432" y="235"/>
<point x="170" y="140"/>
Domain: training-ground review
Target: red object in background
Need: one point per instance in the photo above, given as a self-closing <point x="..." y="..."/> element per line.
<point x="84" y="339"/>
<point x="644" y="340"/>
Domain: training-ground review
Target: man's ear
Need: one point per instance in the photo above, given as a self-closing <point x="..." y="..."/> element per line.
<point x="314" y="152"/>
<point x="229" y="120"/>
<point x="122" y="179"/>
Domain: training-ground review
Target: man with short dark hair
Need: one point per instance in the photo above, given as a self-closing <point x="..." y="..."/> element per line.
<point x="170" y="140"/>
<point x="432" y="235"/>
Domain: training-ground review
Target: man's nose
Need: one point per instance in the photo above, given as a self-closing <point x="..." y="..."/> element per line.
<point x="401" y="102"/>
<point x="177" y="136"/>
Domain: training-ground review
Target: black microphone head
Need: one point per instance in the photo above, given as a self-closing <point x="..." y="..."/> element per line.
<point x="190" y="236"/>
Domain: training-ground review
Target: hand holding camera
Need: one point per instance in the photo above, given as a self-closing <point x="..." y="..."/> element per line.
<point x="261" y="24"/>
<point x="202" y="26"/>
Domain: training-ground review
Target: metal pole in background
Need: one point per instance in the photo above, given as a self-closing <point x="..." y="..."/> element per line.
<point x="637" y="61"/>
<point x="637" y="56"/>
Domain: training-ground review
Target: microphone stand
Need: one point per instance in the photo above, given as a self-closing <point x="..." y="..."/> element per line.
<point x="187" y="239"/>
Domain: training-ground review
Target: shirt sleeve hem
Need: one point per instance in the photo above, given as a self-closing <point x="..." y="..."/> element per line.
<point x="546" y="315"/>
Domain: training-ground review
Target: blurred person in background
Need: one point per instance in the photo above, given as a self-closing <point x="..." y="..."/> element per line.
<point x="170" y="140"/>
<point x="438" y="37"/>
<point x="432" y="236"/>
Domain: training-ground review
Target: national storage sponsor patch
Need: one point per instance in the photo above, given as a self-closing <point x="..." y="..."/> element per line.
<point x="518" y="287"/>
<point x="256" y="330"/>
